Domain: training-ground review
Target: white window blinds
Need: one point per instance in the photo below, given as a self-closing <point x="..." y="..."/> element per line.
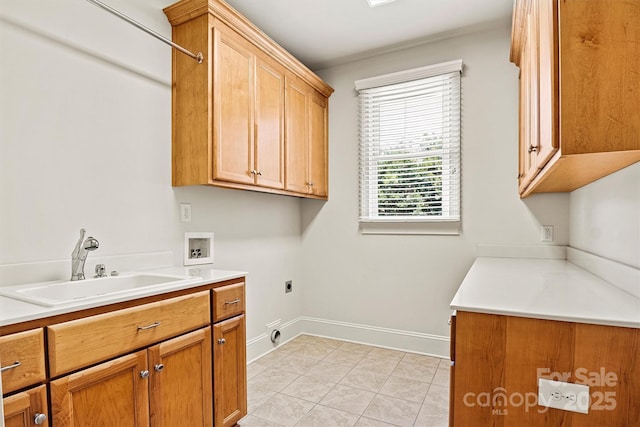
<point x="410" y="145"/>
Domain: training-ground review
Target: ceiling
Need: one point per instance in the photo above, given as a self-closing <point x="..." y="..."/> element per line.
<point x="322" y="33"/>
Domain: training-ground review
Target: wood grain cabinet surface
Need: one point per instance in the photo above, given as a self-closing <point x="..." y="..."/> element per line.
<point x="26" y="408"/>
<point x="22" y="359"/>
<point x="230" y="372"/>
<point x="499" y="359"/>
<point x="162" y="362"/>
<point x="79" y="343"/>
<point x="232" y="116"/>
<point x="579" y="103"/>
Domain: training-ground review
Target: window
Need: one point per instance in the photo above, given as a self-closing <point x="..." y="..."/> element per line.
<point x="410" y="151"/>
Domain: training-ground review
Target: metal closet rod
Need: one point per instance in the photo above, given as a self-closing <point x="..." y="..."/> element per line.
<point x="198" y="57"/>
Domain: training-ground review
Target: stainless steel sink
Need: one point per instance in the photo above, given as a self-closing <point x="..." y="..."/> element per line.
<point x="51" y="294"/>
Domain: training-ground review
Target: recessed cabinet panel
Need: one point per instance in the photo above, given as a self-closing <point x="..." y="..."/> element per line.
<point x="21" y="409"/>
<point x="296" y="144"/>
<point x="269" y="124"/>
<point x="230" y="372"/>
<point x="110" y="394"/>
<point x="233" y="97"/>
<point x="180" y="381"/>
<point x="318" y="161"/>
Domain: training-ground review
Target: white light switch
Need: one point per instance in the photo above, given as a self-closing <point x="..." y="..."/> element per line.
<point x="185" y="212"/>
<point x="565" y="396"/>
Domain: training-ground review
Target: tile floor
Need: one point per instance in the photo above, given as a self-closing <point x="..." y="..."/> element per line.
<point x="314" y="381"/>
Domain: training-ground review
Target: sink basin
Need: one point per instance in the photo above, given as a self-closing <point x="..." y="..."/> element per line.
<point x="51" y="294"/>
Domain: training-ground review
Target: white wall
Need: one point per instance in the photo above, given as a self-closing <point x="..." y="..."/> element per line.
<point x="85" y="142"/>
<point x="406" y="283"/>
<point x="605" y="217"/>
<point x="85" y="131"/>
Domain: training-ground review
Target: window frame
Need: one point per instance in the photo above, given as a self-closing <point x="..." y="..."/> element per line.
<point x="437" y="225"/>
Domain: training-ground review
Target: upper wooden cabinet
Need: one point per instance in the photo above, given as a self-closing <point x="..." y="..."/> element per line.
<point x="306" y="130"/>
<point x="579" y="91"/>
<point x="231" y="118"/>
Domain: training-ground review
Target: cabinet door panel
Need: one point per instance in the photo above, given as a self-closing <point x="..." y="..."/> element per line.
<point x="230" y="374"/>
<point x="180" y="381"/>
<point x="318" y="162"/>
<point x="21" y="408"/>
<point x="233" y="116"/>
<point x="269" y="128"/>
<point x="529" y="141"/>
<point x="548" y="81"/>
<point x="296" y="136"/>
<point x="110" y="394"/>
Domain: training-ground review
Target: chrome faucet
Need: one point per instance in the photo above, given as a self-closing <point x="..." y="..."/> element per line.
<point x="79" y="255"/>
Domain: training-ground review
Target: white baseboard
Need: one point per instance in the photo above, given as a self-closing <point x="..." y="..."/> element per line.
<point x="414" y="342"/>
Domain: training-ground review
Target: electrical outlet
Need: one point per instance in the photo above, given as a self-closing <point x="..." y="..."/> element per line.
<point x="185" y="212"/>
<point x="288" y="286"/>
<point x="565" y="396"/>
<point x="546" y="232"/>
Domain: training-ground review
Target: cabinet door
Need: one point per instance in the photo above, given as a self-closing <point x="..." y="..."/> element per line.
<point x="529" y="102"/>
<point x="269" y="123"/>
<point x="296" y="144"/>
<point x="233" y="69"/>
<point x="21" y="410"/>
<point x="180" y="381"/>
<point x="110" y="394"/>
<point x="229" y="371"/>
<point x="318" y="162"/>
<point x="547" y="13"/>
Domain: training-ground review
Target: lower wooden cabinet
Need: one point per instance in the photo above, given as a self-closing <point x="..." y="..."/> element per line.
<point x="180" y="381"/>
<point x="499" y="359"/>
<point x="166" y="385"/>
<point x="27" y="408"/>
<point x="229" y="371"/>
<point x="113" y="393"/>
<point x="162" y="363"/>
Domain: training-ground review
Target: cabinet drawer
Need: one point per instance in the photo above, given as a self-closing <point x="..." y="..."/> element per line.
<point x="22" y="359"/>
<point x="78" y="343"/>
<point x="228" y="301"/>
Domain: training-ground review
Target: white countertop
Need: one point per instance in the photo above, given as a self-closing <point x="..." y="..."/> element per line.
<point x="15" y="311"/>
<point x="545" y="289"/>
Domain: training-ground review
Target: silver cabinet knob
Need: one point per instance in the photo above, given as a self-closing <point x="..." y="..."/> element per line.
<point x="39" y="419"/>
<point x="144" y="374"/>
<point x="159" y="367"/>
<point x="222" y="341"/>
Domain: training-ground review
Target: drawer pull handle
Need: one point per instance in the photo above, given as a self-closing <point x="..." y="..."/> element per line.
<point x="144" y="374"/>
<point x="159" y="367"/>
<point x="15" y="365"/>
<point x="151" y="326"/>
<point x="222" y="341"/>
<point x="235" y="301"/>
<point x="39" y="419"/>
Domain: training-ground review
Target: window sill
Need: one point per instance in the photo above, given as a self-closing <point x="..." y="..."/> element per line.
<point x="434" y="228"/>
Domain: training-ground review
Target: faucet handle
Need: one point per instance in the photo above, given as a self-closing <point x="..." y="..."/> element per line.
<point x="91" y="244"/>
<point x="101" y="271"/>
